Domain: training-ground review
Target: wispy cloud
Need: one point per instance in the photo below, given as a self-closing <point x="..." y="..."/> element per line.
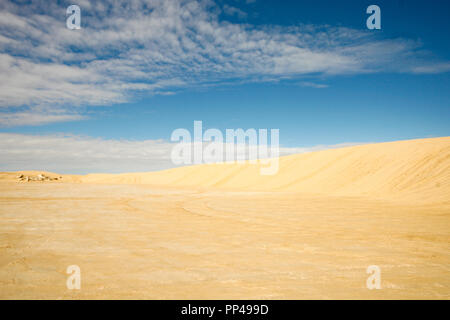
<point x="159" y="46"/>
<point x="81" y="154"/>
<point x="431" y="68"/>
<point x="313" y="85"/>
<point x="37" y="116"/>
<point x="233" y="11"/>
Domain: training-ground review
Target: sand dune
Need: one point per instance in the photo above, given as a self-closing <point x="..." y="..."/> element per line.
<point x="226" y="232"/>
<point x="412" y="170"/>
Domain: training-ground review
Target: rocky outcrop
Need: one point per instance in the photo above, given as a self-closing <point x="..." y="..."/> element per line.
<point x="39" y="177"/>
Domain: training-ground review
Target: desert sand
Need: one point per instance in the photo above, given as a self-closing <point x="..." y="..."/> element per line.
<point x="224" y="231"/>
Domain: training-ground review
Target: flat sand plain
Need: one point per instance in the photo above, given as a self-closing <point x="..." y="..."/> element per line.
<point x="226" y="232"/>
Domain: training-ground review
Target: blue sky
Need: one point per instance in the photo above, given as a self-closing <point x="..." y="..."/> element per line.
<point x="309" y="68"/>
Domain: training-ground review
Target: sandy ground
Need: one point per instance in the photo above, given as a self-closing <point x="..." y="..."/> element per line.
<point x="178" y="242"/>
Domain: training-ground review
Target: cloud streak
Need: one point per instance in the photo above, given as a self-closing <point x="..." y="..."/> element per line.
<point x="81" y="154"/>
<point x="313" y="85"/>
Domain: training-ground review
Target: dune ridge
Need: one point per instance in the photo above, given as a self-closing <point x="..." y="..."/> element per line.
<point x="414" y="170"/>
<point x="411" y="170"/>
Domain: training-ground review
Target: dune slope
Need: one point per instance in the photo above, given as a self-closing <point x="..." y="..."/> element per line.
<point x="412" y="170"/>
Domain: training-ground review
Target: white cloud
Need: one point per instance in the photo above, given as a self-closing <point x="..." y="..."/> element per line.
<point x="313" y="85"/>
<point x="432" y="68"/>
<point x="80" y="154"/>
<point x="233" y="11"/>
<point x="36" y="117"/>
<point x="159" y="46"/>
